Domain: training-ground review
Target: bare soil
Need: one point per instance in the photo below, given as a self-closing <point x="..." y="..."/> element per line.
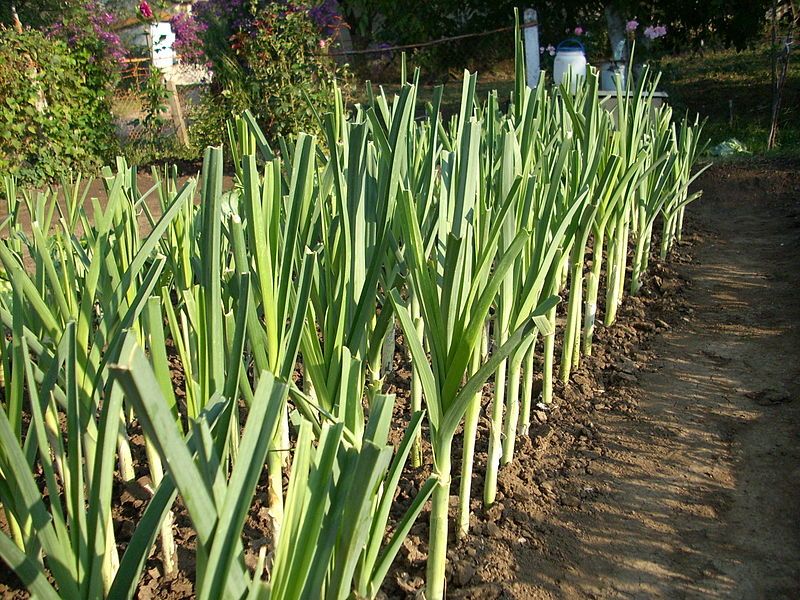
<point x="668" y="468"/>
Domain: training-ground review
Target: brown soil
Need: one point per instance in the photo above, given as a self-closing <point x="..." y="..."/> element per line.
<point x="669" y="467"/>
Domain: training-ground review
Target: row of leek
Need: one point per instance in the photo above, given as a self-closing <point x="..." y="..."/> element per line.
<point x="280" y="296"/>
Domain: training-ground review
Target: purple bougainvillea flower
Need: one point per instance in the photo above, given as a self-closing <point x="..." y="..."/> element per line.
<point x="579" y="30"/>
<point x="100" y="22"/>
<point x="631" y="25"/>
<point x="188" y="42"/>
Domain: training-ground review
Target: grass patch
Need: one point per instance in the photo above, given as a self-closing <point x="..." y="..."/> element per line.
<point x="733" y="89"/>
<point x="697" y="83"/>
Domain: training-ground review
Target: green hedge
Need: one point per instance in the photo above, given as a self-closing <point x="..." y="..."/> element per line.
<point x="55" y="113"/>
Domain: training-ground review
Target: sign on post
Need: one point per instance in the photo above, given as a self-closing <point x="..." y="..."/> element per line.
<point x="163" y="38"/>
<point x="531" y="38"/>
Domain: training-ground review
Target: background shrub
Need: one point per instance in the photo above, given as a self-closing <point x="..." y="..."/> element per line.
<point x="266" y="56"/>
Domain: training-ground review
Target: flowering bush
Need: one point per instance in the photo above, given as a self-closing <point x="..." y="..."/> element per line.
<point x="280" y="52"/>
<point x="55" y="92"/>
<point x="268" y="57"/>
<point x="220" y="19"/>
<point x="327" y="18"/>
<point x="188" y="38"/>
<point x="89" y="27"/>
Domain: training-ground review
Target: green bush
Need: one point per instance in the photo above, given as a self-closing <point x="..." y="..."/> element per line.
<point x="271" y="60"/>
<point x="227" y="97"/>
<point x="55" y="113"/>
<point x="285" y="60"/>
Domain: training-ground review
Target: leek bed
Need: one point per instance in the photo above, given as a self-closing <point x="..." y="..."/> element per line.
<point x="476" y="240"/>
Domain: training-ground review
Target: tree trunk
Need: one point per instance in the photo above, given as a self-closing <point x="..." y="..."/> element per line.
<point x="616" y="33"/>
<point x="777" y="90"/>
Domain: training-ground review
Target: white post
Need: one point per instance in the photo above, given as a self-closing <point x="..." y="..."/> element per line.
<point x="531" y="48"/>
<point x="163" y="54"/>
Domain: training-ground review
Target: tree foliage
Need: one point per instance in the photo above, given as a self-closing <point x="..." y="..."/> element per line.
<point x="37" y="13"/>
<point x="690" y="22"/>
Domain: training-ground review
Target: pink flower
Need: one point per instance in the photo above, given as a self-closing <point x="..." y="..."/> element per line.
<point x="653" y="33"/>
<point x="631" y="25"/>
<point x="145" y="10"/>
<point x="551" y="50"/>
<point x="579" y="31"/>
<point x="541" y="49"/>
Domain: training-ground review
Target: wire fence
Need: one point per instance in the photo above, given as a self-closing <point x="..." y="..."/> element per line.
<point x="184" y="85"/>
<point x="440" y="59"/>
<point x="426" y="44"/>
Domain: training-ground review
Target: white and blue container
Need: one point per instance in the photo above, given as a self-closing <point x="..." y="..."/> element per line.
<point x="570" y="60"/>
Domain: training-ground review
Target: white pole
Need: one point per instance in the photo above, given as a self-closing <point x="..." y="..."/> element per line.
<point x="531" y="48"/>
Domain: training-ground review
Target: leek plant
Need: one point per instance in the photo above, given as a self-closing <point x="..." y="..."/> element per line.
<point x="338" y="499"/>
<point x="357" y="193"/>
<point x="653" y="191"/>
<point x="270" y="238"/>
<point x="11" y="225"/>
<point x="178" y="244"/>
<point x="590" y="171"/>
<point x="338" y="503"/>
<point x="69" y="530"/>
<point x="454" y="310"/>
<point x="686" y="147"/>
<point x="632" y="116"/>
<point x="73" y="288"/>
<point x="533" y="280"/>
<point x="64" y="528"/>
<point x="615" y="183"/>
<point x="217" y="504"/>
<point x="481" y="221"/>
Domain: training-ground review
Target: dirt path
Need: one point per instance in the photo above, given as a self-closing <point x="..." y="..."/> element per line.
<point x="701" y="483"/>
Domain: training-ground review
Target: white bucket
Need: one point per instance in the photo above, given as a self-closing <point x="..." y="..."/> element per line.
<point x="570" y="58"/>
